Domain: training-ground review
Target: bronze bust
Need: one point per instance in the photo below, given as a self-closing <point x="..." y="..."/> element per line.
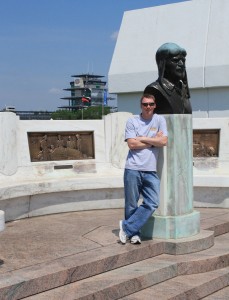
<point x="171" y="88"/>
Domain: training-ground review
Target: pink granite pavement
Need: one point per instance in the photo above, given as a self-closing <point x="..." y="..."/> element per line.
<point x="54" y="252"/>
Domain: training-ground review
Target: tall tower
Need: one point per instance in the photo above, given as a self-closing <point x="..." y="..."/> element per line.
<point x="86" y="90"/>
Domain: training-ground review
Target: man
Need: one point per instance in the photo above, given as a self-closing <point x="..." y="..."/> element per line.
<point x="144" y="134"/>
<point x="171" y="88"/>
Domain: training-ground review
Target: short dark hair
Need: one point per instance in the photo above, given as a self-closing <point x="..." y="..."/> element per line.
<point x="148" y="96"/>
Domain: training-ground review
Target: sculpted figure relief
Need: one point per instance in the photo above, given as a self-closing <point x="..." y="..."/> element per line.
<point x="65" y="146"/>
<point x="171" y="88"/>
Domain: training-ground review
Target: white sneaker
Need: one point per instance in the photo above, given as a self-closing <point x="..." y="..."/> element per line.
<point x="122" y="235"/>
<point x="135" y="239"/>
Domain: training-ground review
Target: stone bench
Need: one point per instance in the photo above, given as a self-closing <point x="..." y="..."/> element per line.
<point x="61" y="191"/>
<point x="211" y="182"/>
<point x="69" y="191"/>
<point x="211" y="191"/>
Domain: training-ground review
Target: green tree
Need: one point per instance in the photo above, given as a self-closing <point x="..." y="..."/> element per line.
<point x="89" y="113"/>
<point x="64" y="115"/>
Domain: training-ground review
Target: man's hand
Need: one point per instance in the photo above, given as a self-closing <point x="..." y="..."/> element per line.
<point x="159" y="133"/>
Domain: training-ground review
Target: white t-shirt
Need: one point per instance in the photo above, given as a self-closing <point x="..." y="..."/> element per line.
<point x="144" y="159"/>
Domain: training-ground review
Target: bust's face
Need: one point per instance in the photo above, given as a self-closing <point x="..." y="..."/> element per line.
<point x="175" y="68"/>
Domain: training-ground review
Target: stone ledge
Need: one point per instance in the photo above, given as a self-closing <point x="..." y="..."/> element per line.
<point x="207" y="180"/>
<point x="42" y="186"/>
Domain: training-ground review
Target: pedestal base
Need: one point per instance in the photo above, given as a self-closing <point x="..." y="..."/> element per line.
<point x="172" y="227"/>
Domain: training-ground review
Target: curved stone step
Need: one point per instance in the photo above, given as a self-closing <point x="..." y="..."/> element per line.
<point x="220" y="295"/>
<point x="204" y="261"/>
<point x="126" y="280"/>
<point x="30" y="280"/>
<point x="160" y="277"/>
<point x="188" y="287"/>
<point x="48" y="275"/>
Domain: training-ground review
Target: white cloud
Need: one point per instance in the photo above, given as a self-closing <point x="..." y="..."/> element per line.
<point x="55" y="91"/>
<point x="114" y="35"/>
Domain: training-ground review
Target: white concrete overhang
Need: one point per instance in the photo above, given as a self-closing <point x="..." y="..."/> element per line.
<point x="199" y="26"/>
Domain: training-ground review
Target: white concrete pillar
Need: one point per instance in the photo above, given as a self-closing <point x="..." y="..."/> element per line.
<point x="2" y="220"/>
<point x="8" y="138"/>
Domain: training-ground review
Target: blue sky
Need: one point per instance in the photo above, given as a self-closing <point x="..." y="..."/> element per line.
<point x="44" y="42"/>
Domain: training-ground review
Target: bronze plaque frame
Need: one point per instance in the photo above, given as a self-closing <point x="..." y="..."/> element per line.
<point x="69" y="145"/>
<point x="206" y="142"/>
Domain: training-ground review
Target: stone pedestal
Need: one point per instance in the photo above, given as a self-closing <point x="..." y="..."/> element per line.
<point x="175" y="217"/>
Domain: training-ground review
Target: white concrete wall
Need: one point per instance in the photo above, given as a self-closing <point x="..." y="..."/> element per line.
<point x="217" y="123"/>
<point x="206" y="102"/>
<point x="211" y="175"/>
<point x="210" y="102"/>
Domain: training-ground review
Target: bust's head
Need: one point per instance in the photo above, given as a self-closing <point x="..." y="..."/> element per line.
<point x="170" y="60"/>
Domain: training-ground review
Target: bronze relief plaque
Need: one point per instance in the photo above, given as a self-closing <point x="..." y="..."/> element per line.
<point x="49" y="146"/>
<point x="206" y="142"/>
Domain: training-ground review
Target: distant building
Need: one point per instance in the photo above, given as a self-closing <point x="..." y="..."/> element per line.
<point x="86" y="90"/>
<point x="34" y="115"/>
<point x="28" y="115"/>
<point x="9" y="108"/>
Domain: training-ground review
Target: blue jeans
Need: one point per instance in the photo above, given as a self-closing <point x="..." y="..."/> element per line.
<point x="136" y="183"/>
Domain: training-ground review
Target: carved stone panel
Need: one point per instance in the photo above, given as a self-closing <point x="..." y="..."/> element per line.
<point x="206" y="143"/>
<point x="49" y="146"/>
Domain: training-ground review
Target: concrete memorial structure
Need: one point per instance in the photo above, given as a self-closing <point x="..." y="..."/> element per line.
<point x="44" y="187"/>
<point x="39" y="182"/>
<point x="33" y="188"/>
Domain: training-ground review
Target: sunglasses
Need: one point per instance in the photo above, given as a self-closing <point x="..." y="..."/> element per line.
<point x="150" y="104"/>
